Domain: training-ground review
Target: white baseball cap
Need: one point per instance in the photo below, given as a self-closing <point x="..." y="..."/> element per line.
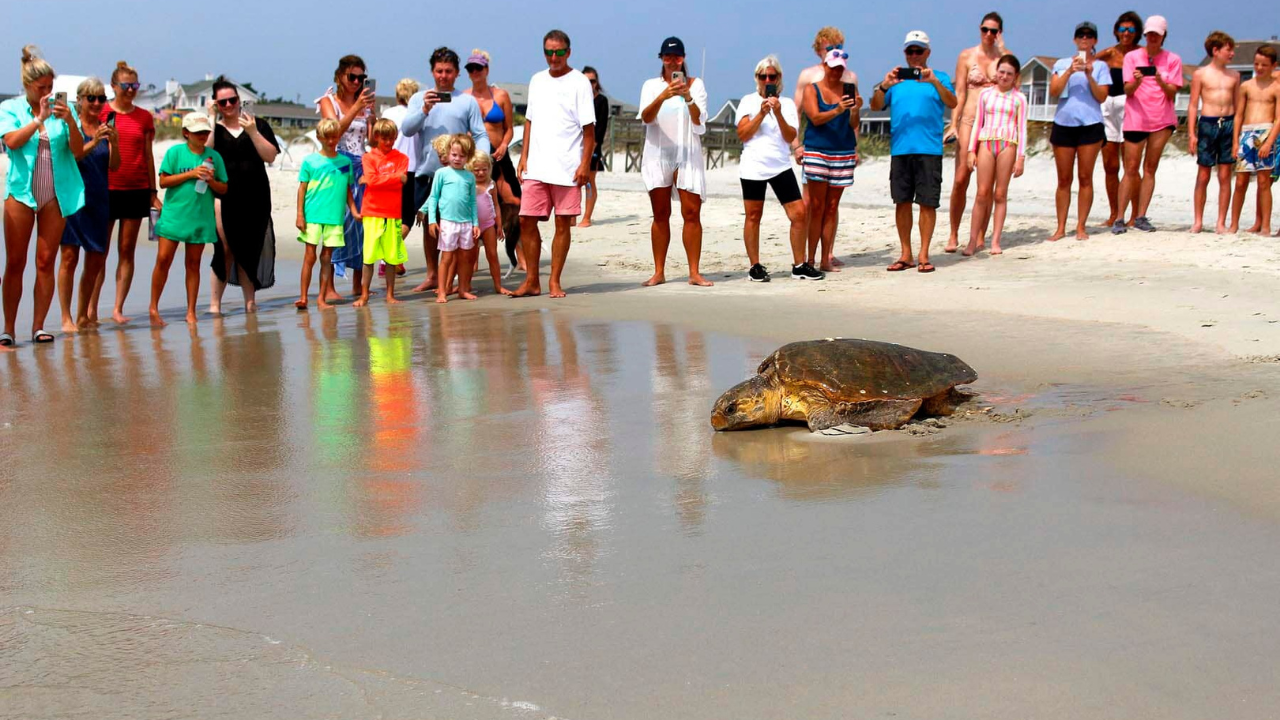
<point x="917" y="38"/>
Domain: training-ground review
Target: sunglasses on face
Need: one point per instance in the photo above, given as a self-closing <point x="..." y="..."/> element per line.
<point x="94" y="98"/>
<point x="835" y="47"/>
<point x="130" y="85"/>
<point x="352" y="77"/>
<point x="1127" y="30"/>
<point x="914" y="51"/>
<point x="555" y="53"/>
<point x="595" y="83"/>
<point x="768" y="77"/>
<point x="1087" y="35"/>
<point x="228" y="102"/>
<point x="989" y="31"/>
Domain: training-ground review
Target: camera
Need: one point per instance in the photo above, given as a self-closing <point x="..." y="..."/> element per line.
<point x="444" y="96"/>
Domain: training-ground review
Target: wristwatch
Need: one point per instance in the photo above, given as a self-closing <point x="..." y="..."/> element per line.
<point x="877" y="88"/>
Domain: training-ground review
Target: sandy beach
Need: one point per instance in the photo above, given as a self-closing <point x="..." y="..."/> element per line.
<point x="517" y="509"/>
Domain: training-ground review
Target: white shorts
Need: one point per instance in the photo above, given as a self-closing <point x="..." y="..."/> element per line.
<point x="1113" y="118"/>
<point x="690" y="177"/>
<point x="455" y="236"/>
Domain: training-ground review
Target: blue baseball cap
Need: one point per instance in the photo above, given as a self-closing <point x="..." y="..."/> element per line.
<point x="672" y="46"/>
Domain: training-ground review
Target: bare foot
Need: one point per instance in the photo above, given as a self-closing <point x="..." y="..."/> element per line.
<point x="361" y="301"/>
<point x="971" y="248"/>
<point x="91" y="320"/>
<point x="251" y="306"/>
<point x="1082" y="234"/>
<point x="995" y="249"/>
<point x="837" y="262"/>
<point x="527" y="290"/>
<point x="657" y="279"/>
<point x="1221" y="229"/>
<point x="585" y="222"/>
<point x="391" y="300"/>
<point x="1057" y="235"/>
<point x="215" y="309"/>
<point x="828" y="267"/>
<point x="119" y="318"/>
<point x="556" y="291"/>
<point x="334" y="296"/>
<point x="1257" y="227"/>
<point x="156" y="320"/>
<point x="953" y="244"/>
<point x="1196" y="227"/>
<point x="302" y="304"/>
<point x="425" y="285"/>
<point x="700" y="281"/>
<point x="1234" y="229"/>
<point x="467" y="295"/>
<point x="69" y="327"/>
<point x="1111" y="220"/>
<point x="191" y="317"/>
<point x="323" y="304"/>
<point x="84" y="323"/>
<point x="441" y="298"/>
<point x="503" y="291"/>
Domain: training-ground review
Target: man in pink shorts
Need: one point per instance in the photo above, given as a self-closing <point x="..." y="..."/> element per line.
<point x="554" y="168"/>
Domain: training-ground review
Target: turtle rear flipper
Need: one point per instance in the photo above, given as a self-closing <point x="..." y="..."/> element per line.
<point x="875" y="414"/>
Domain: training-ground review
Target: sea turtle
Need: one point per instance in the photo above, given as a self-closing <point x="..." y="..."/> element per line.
<point x="834" y="381"/>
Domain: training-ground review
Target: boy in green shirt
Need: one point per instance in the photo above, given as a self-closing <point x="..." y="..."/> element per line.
<point x="187" y="175"/>
<point x="324" y="193"/>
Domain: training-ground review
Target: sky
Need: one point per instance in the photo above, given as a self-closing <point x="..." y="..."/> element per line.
<point x="290" y="49"/>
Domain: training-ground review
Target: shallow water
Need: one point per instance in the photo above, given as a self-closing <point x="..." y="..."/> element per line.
<point x="480" y="514"/>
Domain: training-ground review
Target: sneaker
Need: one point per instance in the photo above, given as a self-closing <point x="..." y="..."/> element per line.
<point x="805" y="271"/>
<point x="1118" y="228"/>
<point x="758" y="273"/>
<point x="1144" y="224"/>
<point x="382" y="269"/>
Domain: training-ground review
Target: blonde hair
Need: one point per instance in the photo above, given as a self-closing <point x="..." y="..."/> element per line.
<point x="405" y="90"/>
<point x="828" y="34"/>
<point x="482" y="53"/>
<point x="33" y="66"/>
<point x="479" y="158"/>
<point x="328" y="127"/>
<point x="770" y="61"/>
<point x="90" y="86"/>
<point x="122" y="68"/>
<point x="444" y="143"/>
<point x="385" y="129"/>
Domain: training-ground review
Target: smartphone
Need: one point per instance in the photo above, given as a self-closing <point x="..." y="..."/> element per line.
<point x="443" y="96"/>
<point x="908" y="73"/>
<point x="771" y="90"/>
<point x="677" y="76"/>
<point x="246" y="107"/>
<point x="111" y="119"/>
<point x="851" y="90"/>
<point x="59" y="97"/>
<point x="1082" y="56"/>
<point x="1147" y="70"/>
<point x="371" y="85"/>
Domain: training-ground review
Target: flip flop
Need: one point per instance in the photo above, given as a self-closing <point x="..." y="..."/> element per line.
<point x="40" y="337"/>
<point x="6" y="340"/>
<point x="926" y="267"/>
<point x="899" y="266"/>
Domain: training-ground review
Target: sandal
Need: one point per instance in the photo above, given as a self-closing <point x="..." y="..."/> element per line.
<point x="40" y="337"/>
<point x="926" y="267"/>
<point x="6" y="340"/>
<point x="899" y="266"/>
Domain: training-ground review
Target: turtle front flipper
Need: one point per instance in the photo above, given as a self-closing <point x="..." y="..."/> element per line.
<point x="875" y="414"/>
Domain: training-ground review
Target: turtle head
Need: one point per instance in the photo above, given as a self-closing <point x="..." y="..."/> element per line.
<point x="752" y="403"/>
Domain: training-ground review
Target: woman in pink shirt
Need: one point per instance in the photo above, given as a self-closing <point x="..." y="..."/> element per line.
<point x="1152" y="78"/>
<point x="997" y="149"/>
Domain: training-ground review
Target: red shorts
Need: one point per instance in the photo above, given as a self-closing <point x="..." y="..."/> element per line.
<point x="538" y="199"/>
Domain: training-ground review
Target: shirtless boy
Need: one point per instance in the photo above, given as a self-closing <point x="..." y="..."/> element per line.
<point x="1211" y="125"/>
<point x="826" y="39"/>
<point x="1257" y="124"/>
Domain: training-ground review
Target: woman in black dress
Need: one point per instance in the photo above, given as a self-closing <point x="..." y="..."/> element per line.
<point x="246" y="255"/>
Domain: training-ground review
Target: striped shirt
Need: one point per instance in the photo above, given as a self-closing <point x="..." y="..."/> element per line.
<point x="135" y="129"/>
<point x="1000" y="116"/>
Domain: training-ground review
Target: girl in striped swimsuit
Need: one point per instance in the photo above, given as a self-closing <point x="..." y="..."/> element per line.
<point x="998" y="149"/>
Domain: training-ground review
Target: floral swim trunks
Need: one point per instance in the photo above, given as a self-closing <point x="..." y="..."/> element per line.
<point x="1251" y="158"/>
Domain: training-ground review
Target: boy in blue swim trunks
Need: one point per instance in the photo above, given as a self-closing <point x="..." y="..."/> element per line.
<point x="1257" y="125"/>
<point x="1211" y="125"/>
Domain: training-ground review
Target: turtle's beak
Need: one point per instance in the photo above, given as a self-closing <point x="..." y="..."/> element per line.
<point x="719" y="421"/>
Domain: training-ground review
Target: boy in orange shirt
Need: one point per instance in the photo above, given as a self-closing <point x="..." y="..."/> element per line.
<point x="385" y="172"/>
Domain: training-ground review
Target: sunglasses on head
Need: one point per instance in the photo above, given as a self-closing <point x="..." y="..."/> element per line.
<point x="989" y="31"/>
<point x="768" y="77"/>
<point x="228" y="102"/>
<point x="555" y="53"/>
<point x="130" y="85"/>
<point x="914" y="51"/>
<point x="842" y="55"/>
<point x="352" y="77"/>
<point x="1127" y="30"/>
<point x="94" y="98"/>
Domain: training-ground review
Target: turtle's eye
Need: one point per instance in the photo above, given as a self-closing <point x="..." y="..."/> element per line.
<point x="731" y="408"/>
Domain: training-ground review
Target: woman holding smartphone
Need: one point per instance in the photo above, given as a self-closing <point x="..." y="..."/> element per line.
<point x="89" y="229"/>
<point x="351" y="102"/>
<point x="43" y="187"/>
<point x="674" y="112"/>
<point x="131" y="186"/>
<point x="1080" y="82"/>
<point x="246" y="252"/>
<point x="830" y="156"/>
<point x="1128" y="33"/>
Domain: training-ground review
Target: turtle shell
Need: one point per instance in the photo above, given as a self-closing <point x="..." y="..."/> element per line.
<point x="847" y="370"/>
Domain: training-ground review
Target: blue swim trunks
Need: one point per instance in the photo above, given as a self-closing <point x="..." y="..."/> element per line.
<point x="1214" y="140"/>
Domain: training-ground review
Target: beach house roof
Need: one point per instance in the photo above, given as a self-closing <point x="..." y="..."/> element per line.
<point x="1245" y="50"/>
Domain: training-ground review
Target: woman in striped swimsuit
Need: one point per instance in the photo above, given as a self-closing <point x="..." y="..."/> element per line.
<point x="998" y="149"/>
<point x="830" y="155"/>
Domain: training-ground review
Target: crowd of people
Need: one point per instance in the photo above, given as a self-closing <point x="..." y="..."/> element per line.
<point x="441" y="158"/>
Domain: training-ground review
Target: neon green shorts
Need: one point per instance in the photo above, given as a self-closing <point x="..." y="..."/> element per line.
<point x="329" y="236"/>
<point x="384" y="241"/>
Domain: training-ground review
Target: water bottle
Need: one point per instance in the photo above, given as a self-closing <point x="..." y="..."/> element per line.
<point x="202" y="186"/>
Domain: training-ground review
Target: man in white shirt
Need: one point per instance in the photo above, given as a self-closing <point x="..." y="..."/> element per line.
<point x="555" y="166"/>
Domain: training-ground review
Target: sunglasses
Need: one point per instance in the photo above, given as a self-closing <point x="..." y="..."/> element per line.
<point x="555" y="53"/>
<point x="352" y="77"/>
<point x="1127" y="30"/>
<point x="130" y="85"/>
<point x="842" y="55"/>
<point x="989" y="31"/>
<point x="835" y="47"/>
<point x="595" y="83"/>
<point x="94" y="98"/>
<point x="228" y="102"/>
<point x="1087" y="35"/>
<point x="768" y="77"/>
<point x="914" y="51"/>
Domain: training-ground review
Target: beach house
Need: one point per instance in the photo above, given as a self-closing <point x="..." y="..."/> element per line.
<point x="182" y="99"/>
<point x="1245" y="50"/>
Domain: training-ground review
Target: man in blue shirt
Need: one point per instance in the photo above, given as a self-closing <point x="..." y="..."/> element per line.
<point x="432" y="113"/>
<point x="917" y="99"/>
